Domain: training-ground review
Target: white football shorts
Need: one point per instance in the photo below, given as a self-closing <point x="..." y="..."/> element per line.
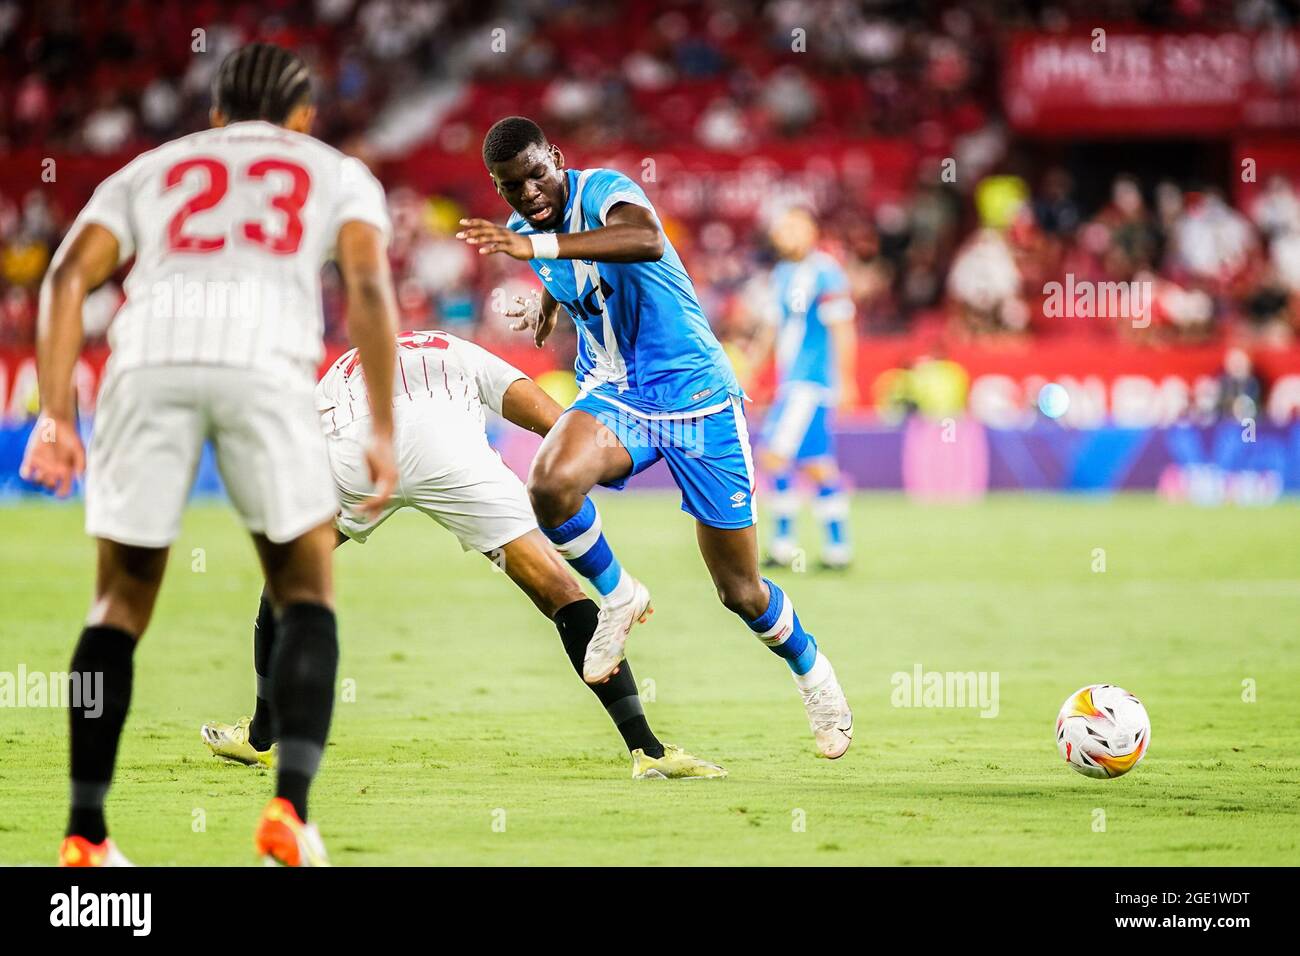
<point x="449" y="474"/>
<point x="150" y="427"/>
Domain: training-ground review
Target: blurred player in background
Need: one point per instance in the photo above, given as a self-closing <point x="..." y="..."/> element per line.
<point x="218" y="340"/>
<point x="655" y="385"/>
<point x="448" y="471"/>
<point x="812" y="327"/>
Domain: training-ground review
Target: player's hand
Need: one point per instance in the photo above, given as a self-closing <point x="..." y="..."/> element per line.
<point x="54" y="457"/>
<point x="383" y="474"/>
<point x="490" y="238"/>
<point x="527" y="313"/>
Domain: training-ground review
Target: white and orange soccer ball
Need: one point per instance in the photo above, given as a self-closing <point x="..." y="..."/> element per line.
<point x="1103" y="731"/>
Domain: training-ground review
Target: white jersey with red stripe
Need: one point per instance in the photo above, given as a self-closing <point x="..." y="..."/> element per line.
<point x="432" y="366"/>
<point x="229" y="228"/>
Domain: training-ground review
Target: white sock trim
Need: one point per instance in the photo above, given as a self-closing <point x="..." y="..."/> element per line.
<point x="820" y="670"/>
<point x="832" y="507"/>
<point x="780" y="632"/>
<point x="623" y="592"/>
<point x="782" y="549"/>
<point x="577" y="547"/>
<point x="785" y="504"/>
<point x="837" y="553"/>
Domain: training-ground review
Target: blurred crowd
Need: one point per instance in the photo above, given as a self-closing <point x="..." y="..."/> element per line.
<point x="115" y="76"/>
<point x="727" y="76"/>
<point x="1191" y="267"/>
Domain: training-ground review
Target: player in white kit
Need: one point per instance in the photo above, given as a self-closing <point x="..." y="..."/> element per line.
<point x="442" y="386"/>
<point x="218" y="341"/>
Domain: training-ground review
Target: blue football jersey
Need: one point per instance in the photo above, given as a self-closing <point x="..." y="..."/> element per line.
<point x="643" y="341"/>
<point x="807" y="296"/>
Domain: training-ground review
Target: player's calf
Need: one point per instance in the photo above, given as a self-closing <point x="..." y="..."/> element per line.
<point x="785" y="509"/>
<point x="305" y="657"/>
<point x="302" y="696"/>
<point x="580" y="539"/>
<point x="625" y="601"/>
<point x="770" y="615"/>
<point x="829" y="717"/>
<point x="261" y="729"/>
<point x="126" y="586"/>
<point x="531" y="562"/>
<point x="831" y="506"/>
<point x="779" y="629"/>
<point x="108" y="654"/>
<point x="619" y="695"/>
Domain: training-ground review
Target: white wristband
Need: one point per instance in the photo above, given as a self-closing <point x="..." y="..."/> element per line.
<point x="546" y="245"/>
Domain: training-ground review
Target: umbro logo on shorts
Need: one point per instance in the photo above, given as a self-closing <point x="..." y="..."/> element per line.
<point x="738" y="499"/>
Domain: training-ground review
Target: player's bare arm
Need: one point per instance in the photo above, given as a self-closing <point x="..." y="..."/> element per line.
<point x="372" y="326"/>
<point x="845" y="339"/>
<point x="631" y="234"/>
<point x="761" y="344"/>
<point x="760" y="347"/>
<point x="526" y="405"/>
<point x="54" y="456"/>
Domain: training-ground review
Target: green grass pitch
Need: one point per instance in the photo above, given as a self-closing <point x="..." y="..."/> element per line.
<point x="471" y="741"/>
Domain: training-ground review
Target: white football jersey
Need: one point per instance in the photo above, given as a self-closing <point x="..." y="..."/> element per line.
<point x="462" y="377"/>
<point x="229" y="228"/>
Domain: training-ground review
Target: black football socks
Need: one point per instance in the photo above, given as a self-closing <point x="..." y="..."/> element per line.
<point x="261" y="732"/>
<point x="103" y="665"/>
<point x="306" y="659"/>
<point x="576" y="623"/>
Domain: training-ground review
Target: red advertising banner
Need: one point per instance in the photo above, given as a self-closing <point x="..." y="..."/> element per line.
<point x="1124" y="81"/>
<point x="1108" y="383"/>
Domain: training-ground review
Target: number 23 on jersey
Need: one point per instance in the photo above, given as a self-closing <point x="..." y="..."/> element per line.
<point x="215" y="176"/>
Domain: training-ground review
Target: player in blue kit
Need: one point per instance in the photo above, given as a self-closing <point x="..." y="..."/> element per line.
<point x="812" y="330"/>
<point x="655" y="384"/>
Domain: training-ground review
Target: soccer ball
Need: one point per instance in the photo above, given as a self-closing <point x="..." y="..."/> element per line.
<point x="1103" y="731"/>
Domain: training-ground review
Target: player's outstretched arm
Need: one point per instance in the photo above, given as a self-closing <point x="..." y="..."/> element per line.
<point x="631" y="234"/>
<point x="54" y="455"/>
<point x="845" y="338"/>
<point x="760" y="347"/>
<point x="526" y="405"/>
<point x="372" y="327"/>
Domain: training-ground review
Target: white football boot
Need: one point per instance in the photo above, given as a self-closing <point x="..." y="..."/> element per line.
<point x="828" y="714"/>
<point x="607" y="645"/>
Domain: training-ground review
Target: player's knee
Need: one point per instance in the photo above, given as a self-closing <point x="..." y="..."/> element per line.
<point x="298" y="571"/>
<point x="743" y="597"/>
<point x="546" y="480"/>
<point x="554" y="491"/>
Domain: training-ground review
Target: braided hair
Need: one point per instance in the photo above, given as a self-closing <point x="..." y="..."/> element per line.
<point x="260" y="81"/>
